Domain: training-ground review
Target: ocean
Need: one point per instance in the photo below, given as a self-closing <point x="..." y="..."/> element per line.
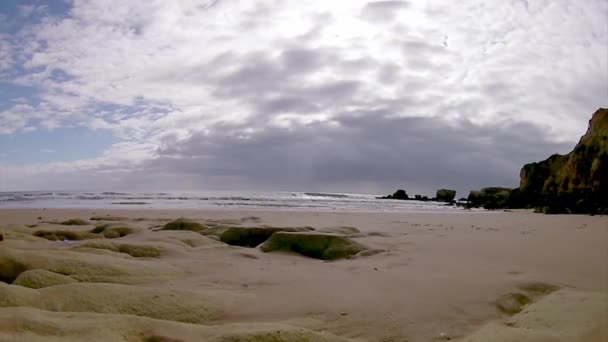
<point x="313" y="201"/>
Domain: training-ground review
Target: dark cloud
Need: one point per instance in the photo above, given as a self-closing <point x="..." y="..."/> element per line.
<point x="285" y="84"/>
<point x="416" y="47"/>
<point x="301" y="60"/>
<point x="379" y="11"/>
<point x="388" y="73"/>
<point x="359" y="151"/>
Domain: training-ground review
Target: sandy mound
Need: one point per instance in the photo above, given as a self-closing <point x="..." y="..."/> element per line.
<point x="37" y="279"/>
<point x="16" y="232"/>
<point x="184" y="224"/>
<point x="182" y="238"/>
<point x="93" y="268"/>
<point x="33" y="325"/>
<point x="117" y="299"/>
<point x="252" y="236"/>
<point x="75" y="222"/>
<point x="134" y="250"/>
<point x="527" y="293"/>
<point x="62" y="235"/>
<point x="564" y="315"/>
<point x="114" y="230"/>
<point x="314" y="245"/>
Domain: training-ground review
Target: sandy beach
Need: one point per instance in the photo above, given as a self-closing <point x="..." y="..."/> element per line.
<point x="470" y="276"/>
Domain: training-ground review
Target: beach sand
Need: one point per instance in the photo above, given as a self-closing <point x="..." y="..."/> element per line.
<point x="470" y="276"/>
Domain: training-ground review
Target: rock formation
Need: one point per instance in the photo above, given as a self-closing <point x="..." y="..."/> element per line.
<point x="576" y="182"/>
<point x="399" y="195"/>
<point x="445" y="195"/>
<point x="573" y="183"/>
<point x="490" y="198"/>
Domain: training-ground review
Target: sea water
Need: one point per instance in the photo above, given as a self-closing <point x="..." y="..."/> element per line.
<point x="217" y="199"/>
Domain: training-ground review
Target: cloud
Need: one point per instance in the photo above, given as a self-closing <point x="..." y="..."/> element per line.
<point x="28" y="10"/>
<point x="16" y="118"/>
<point x="382" y="11"/>
<point x="6" y="59"/>
<point x="185" y="82"/>
<point x="370" y="152"/>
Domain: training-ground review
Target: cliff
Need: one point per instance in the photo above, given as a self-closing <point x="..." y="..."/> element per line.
<point x="575" y="182"/>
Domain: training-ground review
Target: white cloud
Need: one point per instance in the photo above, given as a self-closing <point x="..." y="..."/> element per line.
<point x="16" y="118"/>
<point x="6" y="59"/>
<point x="158" y="72"/>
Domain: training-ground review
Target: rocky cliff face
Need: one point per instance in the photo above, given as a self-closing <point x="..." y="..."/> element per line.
<point x="575" y="182"/>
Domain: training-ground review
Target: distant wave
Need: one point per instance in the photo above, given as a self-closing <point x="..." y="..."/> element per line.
<point x="322" y="194"/>
<point x="90" y="197"/>
<point x="231" y="198"/>
<point x="14" y="198"/>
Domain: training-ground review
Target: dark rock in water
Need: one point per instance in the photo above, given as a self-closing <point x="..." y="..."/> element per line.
<point x="576" y="182"/>
<point x="399" y="194"/>
<point x="445" y="195"/>
<point x="490" y="198"/>
<point x="421" y="198"/>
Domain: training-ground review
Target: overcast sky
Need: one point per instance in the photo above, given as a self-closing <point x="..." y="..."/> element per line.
<point x="318" y="95"/>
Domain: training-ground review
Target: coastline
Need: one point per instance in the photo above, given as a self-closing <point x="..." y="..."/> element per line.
<point x="437" y="273"/>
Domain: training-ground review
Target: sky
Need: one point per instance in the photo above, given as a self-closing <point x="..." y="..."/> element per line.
<point x="286" y="95"/>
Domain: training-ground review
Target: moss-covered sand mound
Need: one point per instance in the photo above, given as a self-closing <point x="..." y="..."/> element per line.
<point x="37" y="279"/>
<point x="116" y="299"/>
<point x="314" y="245"/>
<point x="113" y="231"/>
<point x="75" y="222"/>
<point x="93" y="268"/>
<point x="134" y="250"/>
<point x="182" y="237"/>
<point x="62" y="235"/>
<point x="184" y="224"/>
<point x="11" y="268"/>
<point x="252" y="236"/>
<point x="34" y="325"/>
<point x="527" y="293"/>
